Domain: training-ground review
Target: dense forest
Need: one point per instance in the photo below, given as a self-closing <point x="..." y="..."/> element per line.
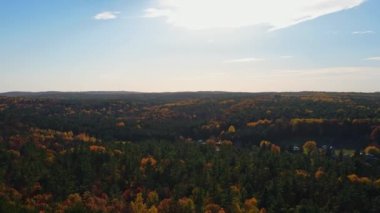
<point x="189" y="152"/>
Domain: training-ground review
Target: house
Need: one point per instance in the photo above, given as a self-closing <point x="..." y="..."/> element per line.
<point x="294" y="148"/>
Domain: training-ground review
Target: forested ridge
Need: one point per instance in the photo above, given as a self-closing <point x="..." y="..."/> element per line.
<point x="190" y="152"/>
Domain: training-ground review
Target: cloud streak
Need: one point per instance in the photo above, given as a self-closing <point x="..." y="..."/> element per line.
<point x="206" y="14"/>
<point x="106" y="15"/>
<point x="363" y="32"/>
<point x="373" y="58"/>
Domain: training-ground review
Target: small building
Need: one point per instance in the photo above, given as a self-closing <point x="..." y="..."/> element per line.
<point x="328" y="150"/>
<point x="294" y="148"/>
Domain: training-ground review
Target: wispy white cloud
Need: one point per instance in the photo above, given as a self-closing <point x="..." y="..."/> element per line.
<point x="244" y="60"/>
<point x="363" y="32"/>
<point x="106" y="15"/>
<point x="206" y="14"/>
<point x="373" y="58"/>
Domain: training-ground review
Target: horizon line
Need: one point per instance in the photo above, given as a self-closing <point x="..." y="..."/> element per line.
<point x="184" y="91"/>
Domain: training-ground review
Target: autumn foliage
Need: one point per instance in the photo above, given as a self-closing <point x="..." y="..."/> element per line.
<point x="275" y="149"/>
<point x="265" y="144"/>
<point x="147" y="161"/>
<point x="259" y="122"/>
<point x="372" y="150"/>
<point x="319" y="173"/>
<point x="120" y="124"/>
<point x="85" y="138"/>
<point x="213" y="208"/>
<point x="231" y="129"/>
<point x="250" y="205"/>
<point x="95" y="148"/>
<point x="309" y="147"/>
<point x="302" y="173"/>
<point x="190" y="153"/>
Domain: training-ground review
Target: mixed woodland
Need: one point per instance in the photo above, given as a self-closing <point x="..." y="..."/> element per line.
<point x="208" y="152"/>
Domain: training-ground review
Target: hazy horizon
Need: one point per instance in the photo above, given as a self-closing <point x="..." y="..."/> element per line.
<point x="190" y="45"/>
<point x="194" y="91"/>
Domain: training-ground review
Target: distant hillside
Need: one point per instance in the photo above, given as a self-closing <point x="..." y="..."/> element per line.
<point x="174" y="95"/>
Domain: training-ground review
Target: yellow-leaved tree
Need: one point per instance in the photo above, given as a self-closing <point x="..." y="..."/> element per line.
<point x="138" y="206"/>
<point x="309" y="147"/>
<point x="250" y="205"/>
<point x="152" y="199"/>
<point x="231" y="129"/>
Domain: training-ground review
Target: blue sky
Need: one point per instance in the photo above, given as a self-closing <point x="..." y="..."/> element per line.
<point x="190" y="45"/>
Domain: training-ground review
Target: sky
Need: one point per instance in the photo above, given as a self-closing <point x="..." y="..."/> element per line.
<point x="190" y="45"/>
